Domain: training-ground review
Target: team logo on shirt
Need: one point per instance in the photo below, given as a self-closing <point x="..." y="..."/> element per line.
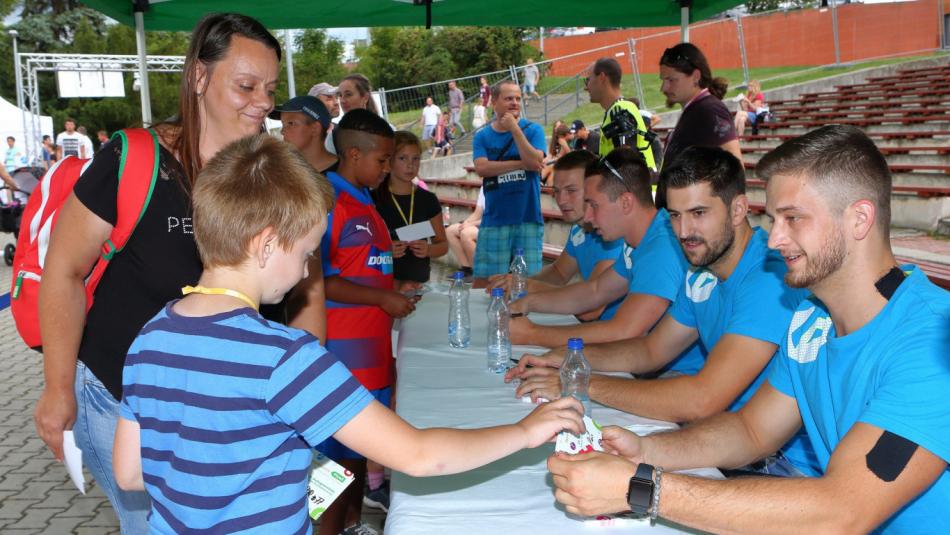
<point x="700" y="285"/>
<point x="628" y="256"/>
<point x="381" y="261"/>
<point x="811" y="331"/>
<point x="578" y="237"/>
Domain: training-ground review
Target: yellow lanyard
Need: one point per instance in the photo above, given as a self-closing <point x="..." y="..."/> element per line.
<point x="412" y="205"/>
<point x="219" y="291"/>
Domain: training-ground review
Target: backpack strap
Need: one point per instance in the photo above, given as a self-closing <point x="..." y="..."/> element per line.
<point x="138" y="172"/>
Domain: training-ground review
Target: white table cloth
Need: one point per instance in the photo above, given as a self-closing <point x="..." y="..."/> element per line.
<point x="439" y="386"/>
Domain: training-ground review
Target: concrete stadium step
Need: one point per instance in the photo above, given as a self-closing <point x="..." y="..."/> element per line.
<point x="889" y="141"/>
<point x="908" y="208"/>
<point x="936" y="128"/>
<point x="468" y="189"/>
<point x="936" y="161"/>
<point x="863" y="104"/>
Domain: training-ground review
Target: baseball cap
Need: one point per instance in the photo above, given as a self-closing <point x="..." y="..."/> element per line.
<point x="577" y="125"/>
<point x="323" y="88"/>
<point x="306" y="104"/>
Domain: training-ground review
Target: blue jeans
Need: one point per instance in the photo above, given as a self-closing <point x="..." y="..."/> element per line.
<point x="96" y="418"/>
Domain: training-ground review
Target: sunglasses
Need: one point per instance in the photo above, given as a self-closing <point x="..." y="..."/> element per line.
<point x="604" y="163"/>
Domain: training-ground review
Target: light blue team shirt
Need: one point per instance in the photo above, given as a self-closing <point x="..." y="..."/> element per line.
<point x="892" y="373"/>
<point x="656" y="267"/>
<point x="754" y="302"/>
<point x="588" y="249"/>
<point x="514" y="197"/>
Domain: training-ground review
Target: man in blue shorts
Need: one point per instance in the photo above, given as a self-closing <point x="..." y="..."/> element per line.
<point x="508" y="156"/>
<point x="732" y="301"/>
<point x="585" y="253"/>
<point x="863" y="368"/>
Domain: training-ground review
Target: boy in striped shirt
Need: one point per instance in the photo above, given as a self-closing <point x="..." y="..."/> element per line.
<point x="221" y="407"/>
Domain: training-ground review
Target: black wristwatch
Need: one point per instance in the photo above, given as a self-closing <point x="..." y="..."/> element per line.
<point x="641" y="488"/>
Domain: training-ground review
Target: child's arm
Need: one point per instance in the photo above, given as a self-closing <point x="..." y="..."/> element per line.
<point x="343" y="291"/>
<point x="378" y="433"/>
<point x="127" y="456"/>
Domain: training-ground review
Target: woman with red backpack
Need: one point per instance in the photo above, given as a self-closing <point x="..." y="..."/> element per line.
<point x="227" y="90"/>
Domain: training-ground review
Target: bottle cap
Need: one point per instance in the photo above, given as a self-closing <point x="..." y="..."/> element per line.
<point x="519" y="251"/>
<point x="575" y="343"/>
<point x="497" y="292"/>
<point x="458" y="275"/>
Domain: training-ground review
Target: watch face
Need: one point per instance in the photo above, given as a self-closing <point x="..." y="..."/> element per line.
<point x="640" y="490"/>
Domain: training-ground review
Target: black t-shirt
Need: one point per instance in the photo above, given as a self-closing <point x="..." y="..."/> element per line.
<point x="159" y="258"/>
<point x="591" y="144"/>
<point x="409" y="267"/>
<point x="704" y="123"/>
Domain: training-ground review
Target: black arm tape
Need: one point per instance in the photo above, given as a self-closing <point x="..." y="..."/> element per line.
<point x="888" y="284"/>
<point x="888" y="458"/>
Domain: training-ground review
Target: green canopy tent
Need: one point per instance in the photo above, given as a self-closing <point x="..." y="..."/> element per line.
<point x="181" y="15"/>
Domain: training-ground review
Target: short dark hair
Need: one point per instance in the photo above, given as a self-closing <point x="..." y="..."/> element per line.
<point x="577" y="159"/>
<point x="359" y="128"/>
<point x="713" y="165"/>
<point x="686" y="58"/>
<point x="634" y="175"/>
<point x="11" y="138"/>
<point x="839" y="160"/>
<point x="611" y="68"/>
<point x="496" y="89"/>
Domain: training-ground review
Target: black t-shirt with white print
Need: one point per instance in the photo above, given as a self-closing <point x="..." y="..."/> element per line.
<point x="159" y="258"/>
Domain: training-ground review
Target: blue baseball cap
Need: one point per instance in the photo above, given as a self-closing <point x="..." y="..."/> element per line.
<point x="310" y="106"/>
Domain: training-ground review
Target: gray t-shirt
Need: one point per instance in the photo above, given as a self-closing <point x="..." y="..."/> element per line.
<point x="531" y="74"/>
<point x="456" y="98"/>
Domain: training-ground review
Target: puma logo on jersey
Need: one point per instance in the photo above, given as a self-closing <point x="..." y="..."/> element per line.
<point x="811" y="340"/>
<point x="627" y="256"/>
<point x="363" y="227"/>
<point x="700" y="285"/>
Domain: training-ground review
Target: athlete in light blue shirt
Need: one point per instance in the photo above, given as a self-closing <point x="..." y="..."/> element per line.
<point x="893" y="373"/>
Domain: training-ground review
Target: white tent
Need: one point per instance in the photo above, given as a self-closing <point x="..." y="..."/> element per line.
<point x="11" y="124"/>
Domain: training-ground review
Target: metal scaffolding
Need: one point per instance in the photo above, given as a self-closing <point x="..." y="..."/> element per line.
<point x="29" y="65"/>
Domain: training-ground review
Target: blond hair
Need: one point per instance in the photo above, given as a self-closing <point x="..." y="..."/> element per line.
<point x="252" y="184"/>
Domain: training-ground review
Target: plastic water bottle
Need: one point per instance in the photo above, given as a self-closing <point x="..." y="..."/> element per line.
<point x="519" y="275"/>
<point x="460" y="326"/>
<point x="499" y="342"/>
<point x="575" y="374"/>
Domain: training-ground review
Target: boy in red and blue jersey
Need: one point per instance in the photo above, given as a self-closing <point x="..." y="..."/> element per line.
<point x="358" y="270"/>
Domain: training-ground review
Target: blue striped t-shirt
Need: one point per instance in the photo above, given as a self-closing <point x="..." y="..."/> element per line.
<point x="229" y="406"/>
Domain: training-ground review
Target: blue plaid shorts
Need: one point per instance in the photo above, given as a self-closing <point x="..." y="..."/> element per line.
<point x="496" y="245"/>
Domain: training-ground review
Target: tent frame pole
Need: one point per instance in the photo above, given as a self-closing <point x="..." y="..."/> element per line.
<point x="289" y="47"/>
<point x="144" y="93"/>
<point x="684" y="22"/>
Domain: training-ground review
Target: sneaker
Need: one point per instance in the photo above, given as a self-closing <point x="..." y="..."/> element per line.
<point x="359" y="528"/>
<point x="377" y="499"/>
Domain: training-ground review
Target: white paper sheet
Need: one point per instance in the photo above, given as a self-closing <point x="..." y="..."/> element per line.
<point x="416" y="231"/>
<point x="72" y="457"/>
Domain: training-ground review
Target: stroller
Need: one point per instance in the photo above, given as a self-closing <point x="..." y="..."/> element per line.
<point x="14" y="202"/>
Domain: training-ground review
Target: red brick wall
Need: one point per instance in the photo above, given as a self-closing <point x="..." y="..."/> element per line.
<point x="802" y="37"/>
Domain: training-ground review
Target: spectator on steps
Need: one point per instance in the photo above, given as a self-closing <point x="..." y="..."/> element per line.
<point x="751" y="105"/>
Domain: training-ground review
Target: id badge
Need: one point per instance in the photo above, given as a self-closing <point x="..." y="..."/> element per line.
<point x="327" y="481"/>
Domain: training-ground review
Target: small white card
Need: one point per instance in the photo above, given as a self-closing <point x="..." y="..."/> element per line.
<point x="586" y="442"/>
<point x="416" y="231"/>
<point x="72" y="458"/>
<point x="327" y="481"/>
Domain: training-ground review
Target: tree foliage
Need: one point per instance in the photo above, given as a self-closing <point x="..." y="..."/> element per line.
<point x="761" y="6"/>
<point x="317" y="58"/>
<point x="399" y="57"/>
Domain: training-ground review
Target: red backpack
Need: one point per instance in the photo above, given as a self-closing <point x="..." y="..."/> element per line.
<point x="138" y="170"/>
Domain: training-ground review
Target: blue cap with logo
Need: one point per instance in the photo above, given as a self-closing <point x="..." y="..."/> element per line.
<point x="310" y="106"/>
